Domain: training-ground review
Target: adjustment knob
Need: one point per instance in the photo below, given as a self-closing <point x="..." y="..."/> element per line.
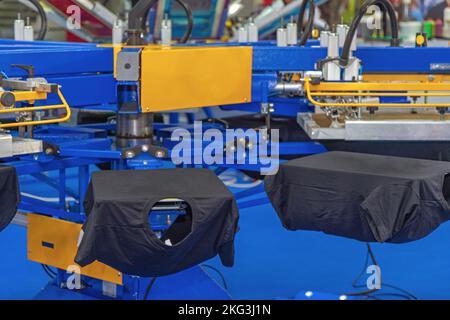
<point x="7" y="99"/>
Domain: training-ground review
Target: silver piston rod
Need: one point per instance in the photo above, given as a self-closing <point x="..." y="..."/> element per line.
<point x="134" y="129"/>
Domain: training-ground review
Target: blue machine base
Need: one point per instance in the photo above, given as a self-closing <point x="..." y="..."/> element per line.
<point x="191" y="284"/>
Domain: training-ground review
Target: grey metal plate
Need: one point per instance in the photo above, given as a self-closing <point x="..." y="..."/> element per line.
<point x="128" y="66"/>
<point x="26" y="146"/>
<point x="378" y="130"/>
<point x="5" y="145"/>
<point x="10" y="146"/>
<point x="425" y="130"/>
<point x="316" y="132"/>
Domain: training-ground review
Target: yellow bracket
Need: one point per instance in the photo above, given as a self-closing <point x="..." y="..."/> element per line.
<point x="383" y="89"/>
<point x="54" y="242"/>
<point x="32" y="96"/>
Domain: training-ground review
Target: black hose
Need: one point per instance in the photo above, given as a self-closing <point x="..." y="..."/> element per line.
<point x="372" y="294"/>
<point x="395" y="41"/>
<point x="190" y="20"/>
<point x="305" y="34"/>
<point x="385" y="19"/>
<point x="225" y="285"/>
<point x="139" y="12"/>
<point x="48" y="271"/>
<point x="137" y="20"/>
<point x="370" y="291"/>
<point x="44" y="25"/>
<point x="149" y="287"/>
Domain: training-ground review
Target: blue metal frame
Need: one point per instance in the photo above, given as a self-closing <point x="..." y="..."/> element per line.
<point x="78" y="68"/>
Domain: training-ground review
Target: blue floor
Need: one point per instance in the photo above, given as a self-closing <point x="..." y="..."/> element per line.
<point x="272" y="262"/>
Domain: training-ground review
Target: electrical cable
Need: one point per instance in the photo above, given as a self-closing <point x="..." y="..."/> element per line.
<point x="409" y="294"/>
<point x="395" y="41"/>
<point x="189" y="16"/>
<point x="225" y="285"/>
<point x="190" y="19"/>
<point x="374" y="294"/>
<point x="42" y="14"/>
<point x="404" y="295"/>
<point x="374" y="261"/>
<point x="138" y="16"/>
<point x="149" y="287"/>
<point x="138" y="13"/>
<point x="305" y="34"/>
<point x="48" y="271"/>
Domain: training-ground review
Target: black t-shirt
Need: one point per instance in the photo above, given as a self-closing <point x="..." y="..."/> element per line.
<point x="362" y="196"/>
<point x="9" y="195"/>
<point x="117" y="230"/>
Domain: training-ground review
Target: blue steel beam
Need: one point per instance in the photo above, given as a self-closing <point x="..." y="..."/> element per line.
<point x="78" y="59"/>
<point x="403" y="60"/>
<point x="58" y="61"/>
<point x="86" y="91"/>
<point x="374" y="59"/>
<point x="84" y="71"/>
<point x="24" y="167"/>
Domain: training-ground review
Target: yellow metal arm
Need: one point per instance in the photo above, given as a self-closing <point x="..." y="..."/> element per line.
<point x="32" y="96"/>
<point x="382" y="89"/>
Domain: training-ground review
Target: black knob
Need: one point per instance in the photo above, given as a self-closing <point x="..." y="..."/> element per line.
<point x="7" y="99"/>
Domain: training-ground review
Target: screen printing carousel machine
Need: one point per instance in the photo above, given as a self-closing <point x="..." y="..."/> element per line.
<point x="385" y="100"/>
